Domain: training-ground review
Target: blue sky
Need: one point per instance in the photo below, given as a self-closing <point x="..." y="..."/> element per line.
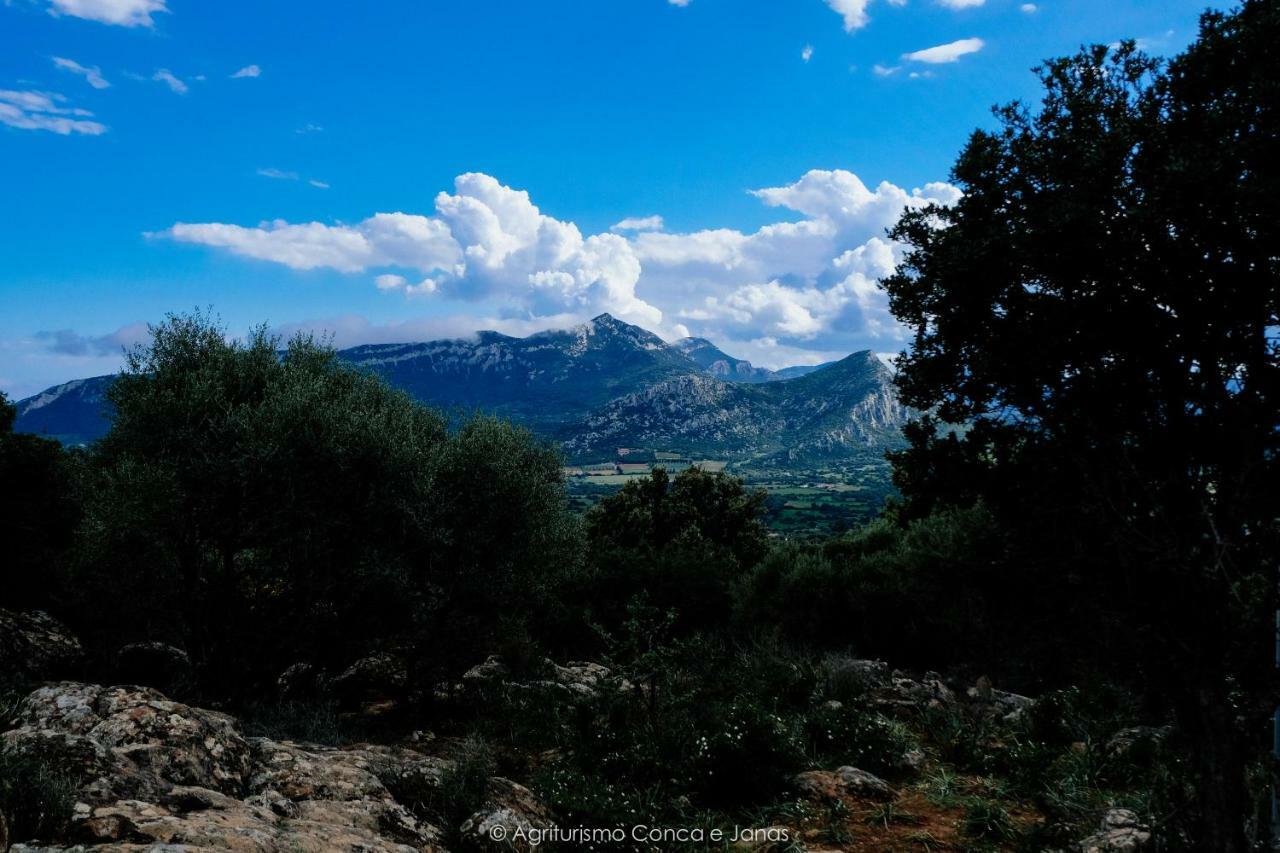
<point x="300" y="165"/>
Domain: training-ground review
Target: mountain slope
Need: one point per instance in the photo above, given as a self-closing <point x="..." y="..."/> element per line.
<point x="75" y="412"/>
<point x="720" y="364"/>
<point x="845" y="408"/>
<point x="545" y="380"/>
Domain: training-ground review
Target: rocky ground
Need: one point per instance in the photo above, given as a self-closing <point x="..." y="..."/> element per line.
<point x="154" y="774"/>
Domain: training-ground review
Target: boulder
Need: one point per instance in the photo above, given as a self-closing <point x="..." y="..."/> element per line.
<point x="510" y="810"/>
<point x="36" y="647"/>
<point x="1120" y="832"/>
<point x="905" y="696"/>
<point x="370" y="683"/>
<point x="132" y="736"/>
<point x="985" y="701"/>
<point x="574" y="680"/>
<point x="1137" y="742"/>
<point x="301" y="682"/>
<point x="840" y="783"/>
<point x="848" y="678"/>
<point x="162" y="666"/>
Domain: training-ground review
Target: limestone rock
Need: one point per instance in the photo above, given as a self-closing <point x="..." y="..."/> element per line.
<point x="35" y="647"/>
<point x="163" y="776"/>
<point x="842" y="782"/>
<point x="300" y="682"/>
<point x="371" y="681"/>
<point x="510" y="809"/>
<point x="574" y="680"/>
<point x="159" y="665"/>
<point x="133" y="734"/>
<point x="1120" y="832"/>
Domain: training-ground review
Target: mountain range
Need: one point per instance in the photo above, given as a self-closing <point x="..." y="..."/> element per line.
<point x="599" y="386"/>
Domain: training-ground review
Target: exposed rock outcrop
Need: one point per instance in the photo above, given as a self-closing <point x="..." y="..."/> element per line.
<point x="574" y="680"/>
<point x="36" y="647"/>
<point x="160" y="775"/>
<point x="1120" y="832"/>
<point x="508" y="815"/>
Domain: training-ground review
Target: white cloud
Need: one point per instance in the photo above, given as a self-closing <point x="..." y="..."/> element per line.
<point x="678" y="2"/>
<point x="247" y="71"/>
<point x="318" y="184"/>
<point x="639" y="223"/>
<point x="1028" y="8"/>
<point x="485" y="241"/>
<point x="961" y="4"/>
<point x="885" y="70"/>
<point x="854" y="13"/>
<point x="278" y="174"/>
<point x="942" y="53"/>
<point x="165" y="76"/>
<point x="31" y="110"/>
<point x="309" y="127"/>
<point x="92" y="75"/>
<point x="806" y="52"/>
<point x="804" y="284"/>
<point x="124" y="13"/>
<point x="812" y="280"/>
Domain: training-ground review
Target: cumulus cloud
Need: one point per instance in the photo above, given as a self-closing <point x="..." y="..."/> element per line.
<point x="247" y="71"/>
<point x="167" y="77"/>
<point x="961" y="4"/>
<point x="485" y="241"/>
<point x="639" y="223"/>
<point x="31" y="110"/>
<point x="806" y="53"/>
<point x="92" y="75"/>
<point x="1028" y="8"/>
<point x="854" y="13"/>
<point x="678" y="2"/>
<point x="950" y="52"/>
<point x="124" y="13"/>
<point x="807" y="283"/>
<point x="812" y="281"/>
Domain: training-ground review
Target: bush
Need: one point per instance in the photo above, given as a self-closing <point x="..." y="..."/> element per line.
<point x="747" y="756"/>
<point x="848" y="735"/>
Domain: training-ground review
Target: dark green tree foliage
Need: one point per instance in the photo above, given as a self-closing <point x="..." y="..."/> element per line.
<point x="259" y="508"/>
<point x="1104" y="305"/>
<point x="934" y="593"/>
<point x="680" y="542"/>
<point x="38" y="511"/>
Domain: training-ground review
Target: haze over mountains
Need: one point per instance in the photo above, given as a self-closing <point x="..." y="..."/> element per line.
<point x="599" y="386"/>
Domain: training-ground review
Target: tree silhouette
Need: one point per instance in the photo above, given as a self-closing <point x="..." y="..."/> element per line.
<point x="1102" y="309"/>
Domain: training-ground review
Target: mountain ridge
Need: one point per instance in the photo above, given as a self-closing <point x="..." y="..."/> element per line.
<point x="594" y="387"/>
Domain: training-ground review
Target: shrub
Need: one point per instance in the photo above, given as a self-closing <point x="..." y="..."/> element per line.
<point x="850" y="735"/>
<point x="747" y="756"/>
